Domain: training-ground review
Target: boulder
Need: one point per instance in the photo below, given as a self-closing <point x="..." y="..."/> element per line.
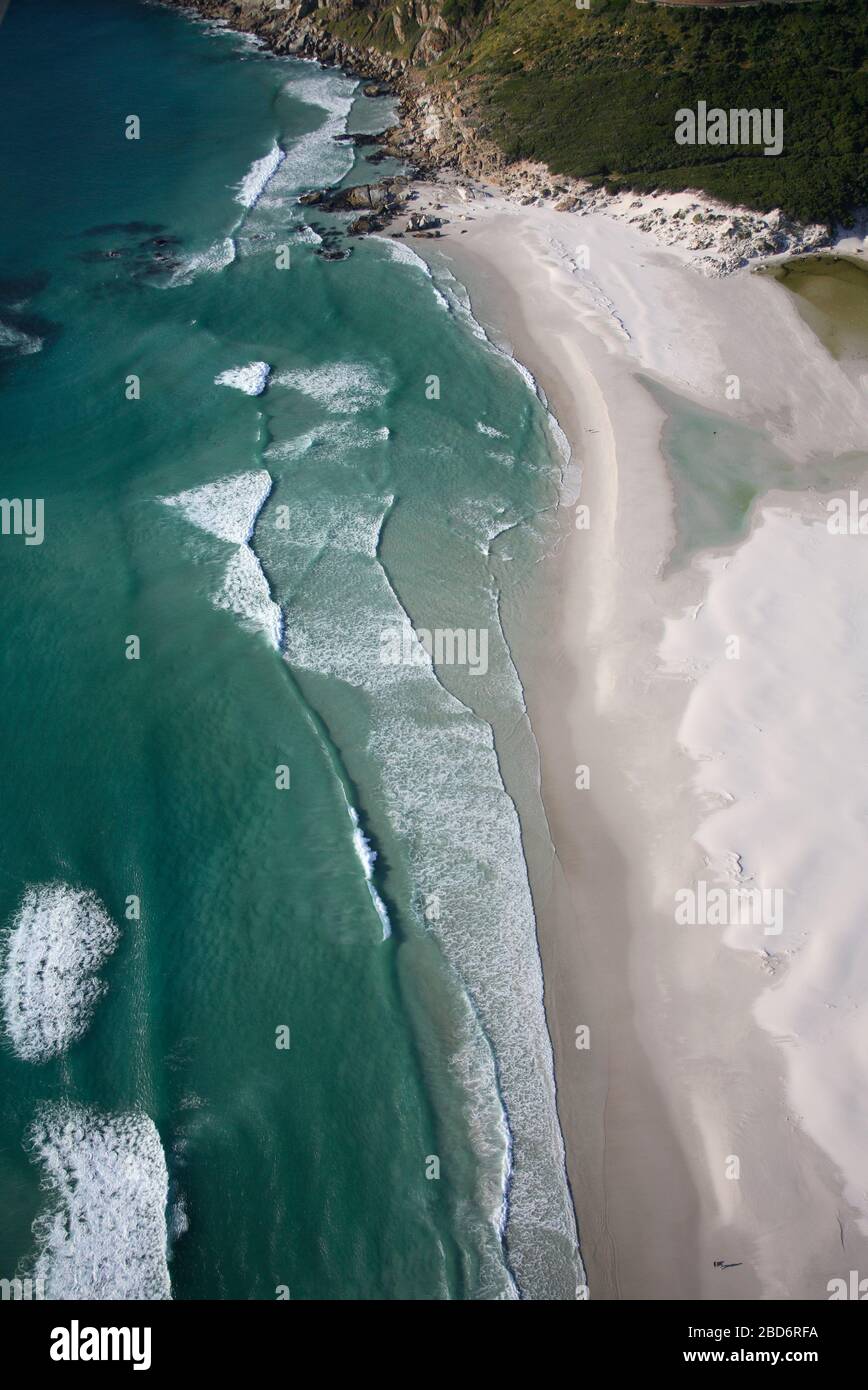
<point x="363" y="226"/>
<point x="422" y="222"/>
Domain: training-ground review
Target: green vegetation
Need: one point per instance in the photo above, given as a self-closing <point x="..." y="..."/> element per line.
<point x="593" y="93"/>
<point x="457" y="12"/>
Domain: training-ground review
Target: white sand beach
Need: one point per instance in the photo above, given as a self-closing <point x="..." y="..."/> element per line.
<point x="715" y="1126"/>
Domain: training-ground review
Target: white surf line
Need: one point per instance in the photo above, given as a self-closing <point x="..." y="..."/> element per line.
<point x="476" y="869"/>
<point x="458" y="300"/>
<point x="229" y="509"/>
<point x="258" y="176"/>
<point x="343" y="388"/>
<point x="403" y="254"/>
<point x="367" y="858"/>
<point x="217" y="257"/>
<point x="222" y="253"/>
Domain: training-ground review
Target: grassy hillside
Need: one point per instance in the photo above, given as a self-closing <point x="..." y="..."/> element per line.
<point x="593" y="93"/>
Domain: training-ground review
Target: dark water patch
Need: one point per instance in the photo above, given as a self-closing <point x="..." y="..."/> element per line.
<point x="24" y="334"/>
<point x="159" y="242"/>
<point x="114" y="253"/>
<point x="831" y="294"/>
<point x="18" y="289"/>
<point x="129" y="228"/>
<point x="144" y="259"/>
<point x="144" y="262"/>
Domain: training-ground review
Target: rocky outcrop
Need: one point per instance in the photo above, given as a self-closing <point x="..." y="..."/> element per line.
<point x="383" y="197"/>
<point x="422" y="222"/>
<point x="440" y="128"/>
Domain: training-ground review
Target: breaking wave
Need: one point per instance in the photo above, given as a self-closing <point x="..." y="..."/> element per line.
<point x="58" y="941"/>
<point x="228" y="509"/>
<point x="255" y="181"/>
<point x="104" y="1234"/>
<point x="317" y="159"/>
<point x="217" y="257"/>
<point x="342" y="387"/>
<point x="245" y="592"/>
<point x="17" y="342"/>
<point x="252" y="379"/>
<point x="444" y="796"/>
<point x="367" y="858"/>
<point x="330" y="437"/>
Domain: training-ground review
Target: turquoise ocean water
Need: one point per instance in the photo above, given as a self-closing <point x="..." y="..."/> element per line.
<point x="272" y="1007"/>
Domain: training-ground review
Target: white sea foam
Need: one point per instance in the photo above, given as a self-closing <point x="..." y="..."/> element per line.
<point x="444" y="796"/>
<point x="16" y="341"/>
<point x="245" y="592"/>
<point x="342" y="387"/>
<point x="219" y="28"/>
<point x="402" y="253"/>
<point x="307" y="236"/>
<point x="526" y="375"/>
<point x="104" y="1233"/>
<point x="252" y="379"/>
<point x="332" y="437"/>
<point x="459" y="303"/>
<point x="228" y="509"/>
<point x="331" y="524"/>
<point x="256" y="179"/>
<point x="58" y="941"/>
<point x="490" y="430"/>
<point x="179" y="1221"/>
<point x="367" y="858"/>
<point x="216" y="257"/>
<point x="571" y="478"/>
<point x="317" y="159"/>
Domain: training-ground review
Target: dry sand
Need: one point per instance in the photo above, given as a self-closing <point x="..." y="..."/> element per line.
<point x="680" y="1078"/>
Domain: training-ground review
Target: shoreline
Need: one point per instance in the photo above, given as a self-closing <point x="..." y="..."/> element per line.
<point x="645" y="1140"/>
<point x="436" y="135"/>
<point x="649" y="1112"/>
<point x="585" y="981"/>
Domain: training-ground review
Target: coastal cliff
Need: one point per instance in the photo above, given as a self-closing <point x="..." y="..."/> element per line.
<point x="551" y="101"/>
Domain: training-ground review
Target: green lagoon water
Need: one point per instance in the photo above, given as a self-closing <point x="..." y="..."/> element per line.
<point x="719" y="468"/>
<point x="832" y="295"/>
<point x="156" y="1140"/>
